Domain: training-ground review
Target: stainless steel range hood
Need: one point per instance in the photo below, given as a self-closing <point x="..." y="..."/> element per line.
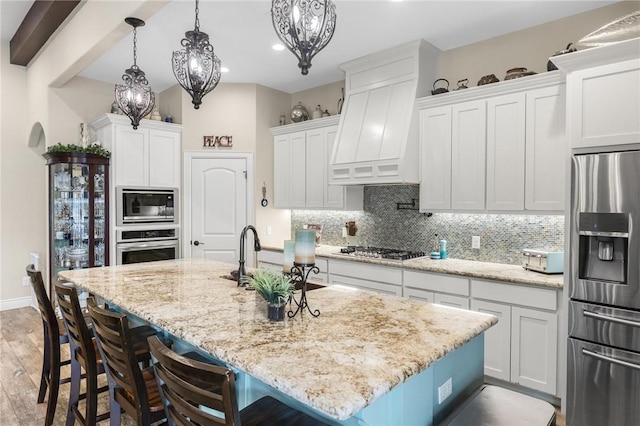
<point x="377" y="140"/>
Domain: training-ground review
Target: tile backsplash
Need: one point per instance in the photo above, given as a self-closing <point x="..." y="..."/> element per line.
<point x="381" y="224"/>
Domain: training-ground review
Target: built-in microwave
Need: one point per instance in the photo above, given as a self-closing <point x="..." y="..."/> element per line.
<point x="135" y="206"/>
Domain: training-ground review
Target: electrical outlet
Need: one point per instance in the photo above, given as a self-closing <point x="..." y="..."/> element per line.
<point x="475" y="242"/>
<point x="445" y="390"/>
<point x="26" y="281"/>
<point x="269" y="230"/>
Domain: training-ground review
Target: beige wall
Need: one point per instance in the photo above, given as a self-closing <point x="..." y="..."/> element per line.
<point x="23" y="202"/>
<point x="529" y="48"/>
<point x="269" y="104"/>
<point x="326" y="96"/>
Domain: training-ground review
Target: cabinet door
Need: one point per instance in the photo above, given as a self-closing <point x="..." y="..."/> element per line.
<point x="468" y="152"/>
<point x="450" y="300"/>
<point x="505" y="152"/>
<point x="534" y="337"/>
<point x="315" y="164"/>
<point x="605" y="105"/>
<point x="546" y="149"/>
<point x="297" y="165"/>
<point x="282" y="171"/>
<point x="334" y="194"/>
<point x="378" y="287"/>
<point x="418" y="294"/>
<point x="164" y="159"/>
<point x="435" y="159"/>
<point x="131" y="156"/>
<point x="497" y="340"/>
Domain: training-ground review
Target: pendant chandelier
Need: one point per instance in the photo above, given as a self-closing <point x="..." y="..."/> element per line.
<point x="304" y="26"/>
<point x="196" y="67"/>
<point x="135" y="97"/>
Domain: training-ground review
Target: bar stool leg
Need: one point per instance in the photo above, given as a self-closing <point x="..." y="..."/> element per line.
<point x="54" y="386"/>
<point x="74" y="391"/>
<point x="92" y="398"/>
<point x="46" y="366"/>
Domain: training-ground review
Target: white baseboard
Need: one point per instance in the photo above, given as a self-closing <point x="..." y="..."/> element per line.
<point x="18" y="302"/>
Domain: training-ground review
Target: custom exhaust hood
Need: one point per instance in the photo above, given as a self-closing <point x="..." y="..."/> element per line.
<point x="377" y="140"/>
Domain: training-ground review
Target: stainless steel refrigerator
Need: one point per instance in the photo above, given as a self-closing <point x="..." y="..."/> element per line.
<point x="603" y="382"/>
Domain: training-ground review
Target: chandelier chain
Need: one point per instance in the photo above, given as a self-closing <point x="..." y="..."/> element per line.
<point x="197" y="24"/>
<point x="135" y="46"/>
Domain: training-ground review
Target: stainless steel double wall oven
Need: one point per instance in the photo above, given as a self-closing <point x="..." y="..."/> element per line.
<point x="603" y="383"/>
<point x="147" y="220"/>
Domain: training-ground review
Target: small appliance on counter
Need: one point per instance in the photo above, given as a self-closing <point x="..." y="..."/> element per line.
<point x="547" y="262"/>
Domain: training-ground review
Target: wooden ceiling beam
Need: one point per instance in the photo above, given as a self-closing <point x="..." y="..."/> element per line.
<point x="42" y="20"/>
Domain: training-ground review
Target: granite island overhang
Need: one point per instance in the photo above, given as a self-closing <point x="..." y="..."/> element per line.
<point x="359" y="350"/>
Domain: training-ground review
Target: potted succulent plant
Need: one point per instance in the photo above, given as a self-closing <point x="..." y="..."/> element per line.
<point x="275" y="288"/>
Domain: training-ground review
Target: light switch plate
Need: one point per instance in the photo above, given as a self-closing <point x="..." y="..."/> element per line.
<point x="475" y="242"/>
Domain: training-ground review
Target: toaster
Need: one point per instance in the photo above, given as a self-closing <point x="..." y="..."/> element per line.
<point x="547" y="262"/>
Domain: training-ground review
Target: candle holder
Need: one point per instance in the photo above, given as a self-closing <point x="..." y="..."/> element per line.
<point x="299" y="274"/>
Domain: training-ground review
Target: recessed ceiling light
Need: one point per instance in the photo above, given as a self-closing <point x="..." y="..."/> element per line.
<point x="224" y="69"/>
<point x="277" y="47"/>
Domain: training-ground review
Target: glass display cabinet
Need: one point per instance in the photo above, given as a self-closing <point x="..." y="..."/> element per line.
<point x="78" y="211"/>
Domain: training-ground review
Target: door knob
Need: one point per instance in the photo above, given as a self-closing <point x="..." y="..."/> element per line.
<point x="197" y="243"/>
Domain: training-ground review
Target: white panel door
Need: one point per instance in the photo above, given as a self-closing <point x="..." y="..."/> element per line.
<point x="505" y="152"/>
<point x="298" y="180"/>
<point x="131" y="157"/>
<point x="218" y="209"/>
<point x="546" y="149"/>
<point x="534" y="356"/>
<point x="497" y="340"/>
<point x="334" y="194"/>
<point x="282" y="172"/>
<point x="164" y="159"/>
<point x="450" y="300"/>
<point x="435" y="158"/>
<point x="315" y="168"/>
<point x="468" y="152"/>
<point x="418" y="294"/>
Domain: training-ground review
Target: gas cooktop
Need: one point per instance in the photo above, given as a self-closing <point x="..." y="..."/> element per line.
<point x="380" y="253"/>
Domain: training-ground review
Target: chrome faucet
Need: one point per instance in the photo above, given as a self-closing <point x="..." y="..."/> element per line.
<point x="242" y="272"/>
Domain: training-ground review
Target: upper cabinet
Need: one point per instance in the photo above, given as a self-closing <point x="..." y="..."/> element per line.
<point x="497" y="148"/>
<point x="301" y="168"/>
<point x="147" y="157"/>
<point x="603" y="84"/>
<point x="377" y="139"/>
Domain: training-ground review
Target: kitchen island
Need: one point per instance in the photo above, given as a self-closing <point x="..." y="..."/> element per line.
<point x="367" y="359"/>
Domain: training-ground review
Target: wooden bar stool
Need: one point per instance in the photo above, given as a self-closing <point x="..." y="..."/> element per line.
<point x="130" y="389"/>
<point x="55" y="335"/>
<point x="192" y="389"/>
<point x="83" y="357"/>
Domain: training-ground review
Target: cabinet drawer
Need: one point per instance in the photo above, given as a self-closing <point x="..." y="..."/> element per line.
<point x="384" y="274"/>
<point x="266" y="256"/>
<point x="453" y="301"/>
<point x="436" y="282"/>
<point x="417" y="294"/>
<point x="515" y="294"/>
<point x="378" y="287"/>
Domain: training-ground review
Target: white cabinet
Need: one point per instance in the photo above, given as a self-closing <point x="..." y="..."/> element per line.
<point x="301" y="167"/>
<point x="495" y="149"/>
<point x="436" y="288"/>
<point x="522" y="347"/>
<point x="505" y="152"/>
<point x="365" y="276"/>
<point x="603" y="83"/>
<point x="468" y="152"/>
<point x="146" y="157"/>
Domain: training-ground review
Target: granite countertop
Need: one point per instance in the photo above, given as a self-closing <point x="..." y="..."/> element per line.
<point x="468" y="268"/>
<point x="377" y="341"/>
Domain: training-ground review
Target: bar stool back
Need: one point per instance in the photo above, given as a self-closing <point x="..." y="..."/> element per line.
<point x="130" y="388"/>
<point x="83" y="356"/>
<point x="55" y="335"/>
<point x="191" y="389"/>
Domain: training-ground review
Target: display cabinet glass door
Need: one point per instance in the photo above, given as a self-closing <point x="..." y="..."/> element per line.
<point x="78" y="211"/>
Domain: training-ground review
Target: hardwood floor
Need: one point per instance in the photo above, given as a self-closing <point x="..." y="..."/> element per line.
<point x="21" y="348"/>
<point x="20" y="363"/>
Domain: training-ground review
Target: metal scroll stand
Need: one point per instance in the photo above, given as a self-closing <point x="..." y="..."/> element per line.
<point x="299" y="274"/>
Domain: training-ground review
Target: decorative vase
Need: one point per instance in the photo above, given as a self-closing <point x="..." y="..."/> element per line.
<point x="317" y="113"/>
<point x="299" y="113"/>
<point x="275" y="311"/>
